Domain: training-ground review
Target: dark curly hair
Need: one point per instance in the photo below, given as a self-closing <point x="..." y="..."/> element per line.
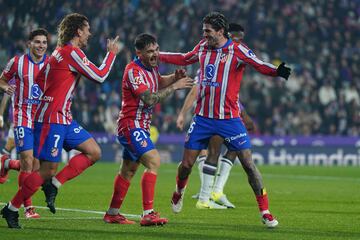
<point x="217" y="21"/>
<point x="69" y="26"/>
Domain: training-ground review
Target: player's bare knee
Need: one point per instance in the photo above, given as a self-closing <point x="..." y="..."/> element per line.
<point x="95" y="154"/>
<point x="26" y="163"/>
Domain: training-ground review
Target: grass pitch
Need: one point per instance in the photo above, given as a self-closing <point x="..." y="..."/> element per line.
<point x="309" y="202"/>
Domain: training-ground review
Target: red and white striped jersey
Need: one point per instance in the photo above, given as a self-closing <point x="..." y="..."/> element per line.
<point x="27" y="94"/>
<point x="134" y="112"/>
<point x="221" y="71"/>
<point x="59" y="79"/>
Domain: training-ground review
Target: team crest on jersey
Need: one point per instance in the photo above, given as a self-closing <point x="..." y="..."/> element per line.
<point x="54" y="151"/>
<point x="223" y="57"/>
<point x="86" y="61"/>
<point x="144" y="143"/>
<point x="210" y="71"/>
<point x="136" y="80"/>
<point x="21" y="143"/>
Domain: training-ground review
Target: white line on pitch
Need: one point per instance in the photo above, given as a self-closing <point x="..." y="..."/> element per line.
<point x="83" y="211"/>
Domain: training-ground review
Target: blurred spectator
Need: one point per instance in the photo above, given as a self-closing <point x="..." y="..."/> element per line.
<point x="319" y="38"/>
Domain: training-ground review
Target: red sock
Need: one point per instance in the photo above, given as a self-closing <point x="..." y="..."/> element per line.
<point x="181" y="183"/>
<point x="121" y="186"/>
<point x="30" y="186"/>
<point x="75" y="167"/>
<point x="21" y="179"/>
<point x="14" y="164"/>
<point x="263" y="202"/>
<point x="148" y="182"/>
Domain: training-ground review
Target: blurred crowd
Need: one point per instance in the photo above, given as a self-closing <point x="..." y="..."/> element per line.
<point x="319" y="39"/>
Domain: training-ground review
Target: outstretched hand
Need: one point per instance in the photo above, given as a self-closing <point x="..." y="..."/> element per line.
<point x="113" y="45"/>
<point x="283" y="71"/>
<point x="185" y="82"/>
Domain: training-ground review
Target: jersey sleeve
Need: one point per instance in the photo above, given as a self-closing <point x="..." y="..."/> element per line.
<point x="246" y="55"/>
<point x="136" y="82"/>
<point x="10" y="69"/>
<point x="81" y="64"/>
<point x="181" y="59"/>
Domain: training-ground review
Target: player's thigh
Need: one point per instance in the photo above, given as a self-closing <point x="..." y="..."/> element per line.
<point x="136" y="142"/>
<point x="151" y="159"/>
<point x="234" y="133"/>
<point x="24" y="138"/>
<point x="27" y="160"/>
<point x="200" y="131"/>
<point x="48" y="141"/>
<point x="78" y="138"/>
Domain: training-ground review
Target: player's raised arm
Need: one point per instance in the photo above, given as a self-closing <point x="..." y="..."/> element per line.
<point x="189" y="101"/>
<point x="181" y="59"/>
<point x="156" y="97"/>
<point x="89" y="69"/>
<point x="167" y="80"/>
<point x="247" y="55"/>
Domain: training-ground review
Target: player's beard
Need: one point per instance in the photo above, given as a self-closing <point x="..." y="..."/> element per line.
<point x="211" y="41"/>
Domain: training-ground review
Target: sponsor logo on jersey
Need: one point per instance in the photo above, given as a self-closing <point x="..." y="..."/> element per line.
<point x="210" y="84"/>
<point x="54" y="151"/>
<point x="47" y="98"/>
<point x="36" y="91"/>
<point x="32" y="101"/>
<point x="210" y="71"/>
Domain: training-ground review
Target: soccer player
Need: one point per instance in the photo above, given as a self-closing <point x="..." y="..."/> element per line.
<point x="55" y="128"/>
<point x="208" y="186"/>
<point x="5" y="162"/>
<point x="142" y="88"/>
<point x="25" y="69"/>
<point x="222" y="63"/>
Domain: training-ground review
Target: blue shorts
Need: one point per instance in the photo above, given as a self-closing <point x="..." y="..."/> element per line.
<point x="50" y="139"/>
<point x="136" y="142"/>
<point x="24" y="139"/>
<point x="232" y="130"/>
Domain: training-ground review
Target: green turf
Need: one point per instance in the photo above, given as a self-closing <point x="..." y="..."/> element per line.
<point x="309" y="202"/>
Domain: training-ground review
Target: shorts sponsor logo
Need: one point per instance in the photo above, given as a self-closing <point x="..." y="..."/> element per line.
<point x="54" y="151"/>
<point x="241" y="143"/>
<point x="77" y="130"/>
<point x="232" y="138"/>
